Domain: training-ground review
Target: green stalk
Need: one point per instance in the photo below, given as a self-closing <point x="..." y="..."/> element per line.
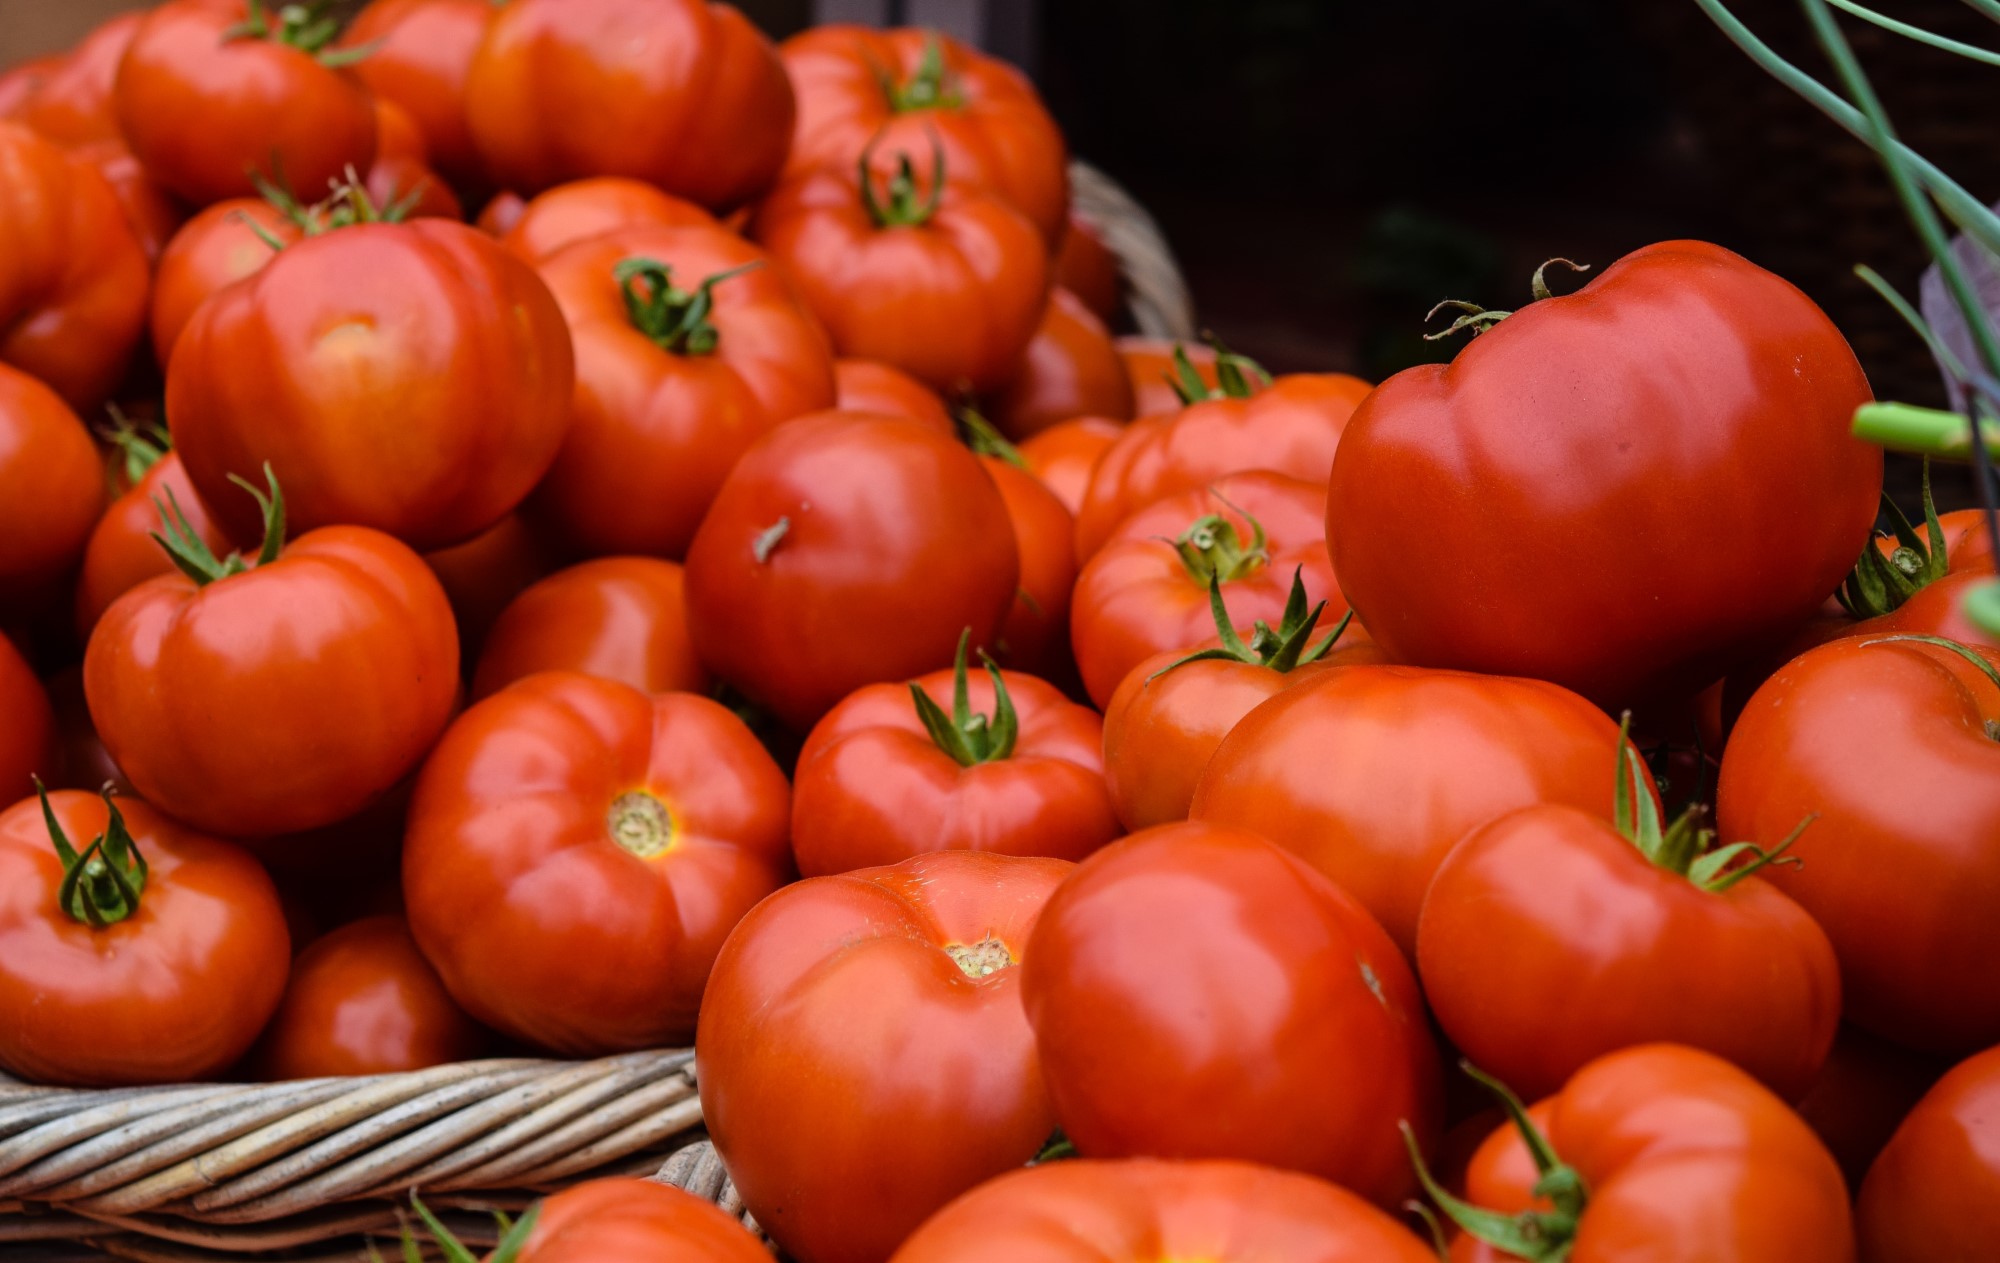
<point x="1969" y="51"/>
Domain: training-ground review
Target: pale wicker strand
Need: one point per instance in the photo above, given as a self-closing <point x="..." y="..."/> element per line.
<point x="530" y="1163"/>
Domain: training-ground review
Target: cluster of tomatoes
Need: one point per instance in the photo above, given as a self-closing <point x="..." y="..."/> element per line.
<point x="739" y="591"/>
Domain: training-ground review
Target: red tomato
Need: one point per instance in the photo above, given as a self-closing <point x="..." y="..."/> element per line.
<point x="940" y="279"/>
<point x="1863" y="1093"/>
<point x="1138" y="1211"/>
<point x="888" y="391"/>
<point x="19" y="83"/>
<point x="1290" y="426"/>
<point x="150" y="212"/>
<point x="862" y="1053"/>
<point x="122" y="552"/>
<point x="168" y="960"/>
<point x="27" y="738"/>
<point x="1934" y="1194"/>
<point x="1197" y="992"/>
<point x="500" y="215"/>
<point x="904" y="87"/>
<point x="71" y="105"/>
<point x="218" y="696"/>
<point x="414" y="378"/>
<point x="1064" y="455"/>
<point x="847" y="549"/>
<point x="51" y="489"/>
<point x="216" y="248"/>
<point x="1149" y="365"/>
<point x="1069" y="370"/>
<point x="400" y="181"/>
<point x="652" y="76"/>
<point x="1673" y="1156"/>
<point x="259" y="82"/>
<point x="1146" y="591"/>
<point x="1968" y="539"/>
<point x="582" y="209"/>
<point x="617" y="618"/>
<point x="688" y="349"/>
<point x="1904" y="886"/>
<point x="569" y="821"/>
<point x="1683" y="375"/>
<point x="1424" y="757"/>
<point x="620" y="1220"/>
<point x="1088" y="268"/>
<point x="483" y="575"/>
<point x="73" y="281"/>
<point x="1035" y="636"/>
<point x="419" y="55"/>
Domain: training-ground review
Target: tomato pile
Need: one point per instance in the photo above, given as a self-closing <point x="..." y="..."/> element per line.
<point x="1078" y="795"/>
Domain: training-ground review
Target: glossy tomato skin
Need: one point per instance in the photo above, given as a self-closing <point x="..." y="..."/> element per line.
<point x="1064" y="455"/>
<point x="27" y="738"/>
<point x="122" y="552"/>
<point x="618" y="618"/>
<point x="1136" y="597"/>
<point x="264" y="106"/>
<point x="894" y="541"/>
<point x="1423" y="757"/>
<point x="1687" y="1160"/>
<point x="421" y="350"/>
<point x="363" y="1000"/>
<point x="1683" y="374"/>
<point x="1903" y="879"/>
<point x="569" y="821"/>
<point x="73" y="283"/>
<point x="401" y="180"/>
<point x="72" y="104"/>
<point x="884" y="389"/>
<point x="213" y="250"/>
<point x="152" y="213"/>
<point x="1149" y="364"/>
<point x="51" y="488"/>
<point x="482" y="576"/>
<point x="346" y="622"/>
<point x="1086" y="267"/>
<point x="1138" y="1211"/>
<point x="652" y="76"/>
<point x="1197" y="992"/>
<point x="1743" y="973"/>
<point x="1035" y="637"/>
<point x="1291" y="427"/>
<point x="582" y="209"/>
<point x="420" y="54"/>
<point x="1069" y="370"/>
<point x="653" y="432"/>
<point x="172" y="994"/>
<point x="1934" y="1193"/>
<point x="619" y="1220"/>
<point x="855" y="1076"/>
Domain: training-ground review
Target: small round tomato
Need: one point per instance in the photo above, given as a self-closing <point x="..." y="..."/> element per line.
<point x="271" y="100"/>
<point x="1154" y="371"/>
<point x="688" y="349"/>
<point x="1934" y="1194"/>
<point x="1424" y="757"/>
<point x="846" y="549"/>
<point x="122" y="552"/>
<point x="1069" y="370"/>
<point x="51" y="489"/>
<point x="1890" y="743"/>
<point x="419" y="53"/>
<point x="27" y="737"/>
<point x="1140" y="1211"/>
<point x="1197" y="992"/>
<point x="582" y="209"/>
<point x="1064" y="455"/>
<point x="162" y="966"/>
<point x="652" y="76"/>
<point x="621" y="1220"/>
<point x="567" y="823"/>
<point x="218" y="247"/>
<point x="1088" y="268"/>
<point x="888" y="391"/>
<point x="217" y="687"/>
<point x="150" y="211"/>
<point x="482" y="576"/>
<point x="72" y="104"/>
<point x="868" y="1027"/>
<point x="617" y="618"/>
<point x="1149" y="589"/>
<point x="363" y="1000"/>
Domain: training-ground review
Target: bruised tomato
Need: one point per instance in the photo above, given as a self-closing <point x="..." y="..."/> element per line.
<point x="617" y="618"/>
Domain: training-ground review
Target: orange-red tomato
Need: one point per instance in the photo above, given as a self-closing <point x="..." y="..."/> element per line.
<point x="419" y="55"/>
<point x="1069" y="370"/>
<point x="209" y="95"/>
<point x="1035" y="636"/>
<point x="1064" y="455"/>
<point x="150" y="211"/>
<point x="1086" y="267"/>
<point x="868" y="1027"/>
<point x="122" y="552"/>
<point x="363" y="1000"/>
<point x="1149" y="365"/>
<point x="1197" y="992"/>
<point x="482" y="576"/>
<point x="498" y="217"/>
<point x="619" y="1220"/>
<point x="218" y="247"/>
<point x="26" y="739"/>
<point x="618" y="618"/>
<point x="73" y="276"/>
<point x="71" y="105"/>
<point x="652" y="76"/>
<point x="888" y="391"/>
<point x="689" y="348"/>
<point x="51" y="489"/>
<point x="582" y="209"/>
<point x="171" y="991"/>
<point x="568" y="823"/>
<point x="1934" y="1194"/>
<point x="400" y="180"/>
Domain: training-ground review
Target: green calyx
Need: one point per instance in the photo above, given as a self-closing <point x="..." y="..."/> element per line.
<point x="307" y="27"/>
<point x="1540" y="1236"/>
<point x="102" y="883"/>
<point x="513" y="1238"/>
<point x="1236" y="376"/>
<point x="968" y="738"/>
<point x="1281" y="650"/>
<point x="1478" y="319"/>
<point x="981" y="436"/>
<point x="195" y="559"/>
<point x="348" y="203"/>
<point x="1212" y="548"/>
<point x="1879" y="584"/>
<point x="1684" y="847"/>
<point x="899" y="204"/>
<point x="674" y="319"/>
<point x="135" y="448"/>
<point x="931" y="87"/>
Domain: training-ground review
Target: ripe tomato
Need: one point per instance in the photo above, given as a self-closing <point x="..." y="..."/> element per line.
<point x="122" y="552"/>
<point x="419" y="53"/>
<point x="269" y="95"/>
<point x="1746" y="390"/>
<point x="652" y="76"/>
<point x="688" y="349"/>
<point x="1666" y="1154"/>
<point x="568" y="820"/>
<point x="414" y="378"/>
<point x="617" y="618"/>
<point x="937" y="277"/>
<point x="1905" y="891"/>
<point x="218" y="247"/>
<point x="1153" y="372"/>
<point x="862" y="1053"/>
<point x="1138" y="1211"/>
<point x="1086" y="267"/>
<point x="1035" y="636"/>
<point x="904" y="87"/>
<point x="73" y="285"/>
<point x="1147" y="590"/>
<point x="1069" y="370"/>
<point x="888" y="391"/>
<point x="846" y="549"/>
<point x="1064" y="455"/>
<point x="582" y="209"/>
<point x="1425" y="757"/>
<point x="498" y="217"/>
<point x="401" y="181"/>
<point x="620" y="1220"/>
<point x="76" y="758"/>
<point x="71" y="105"/>
<point x="51" y="489"/>
<point x="19" y="83"/>
<point x="166" y="961"/>
<point x="213" y="687"/>
<point x="482" y="576"/>
<point x="1934" y="1194"/>
<point x="1197" y="992"/>
<point x="27" y="738"/>
<point x="1862" y="1094"/>
<point x="150" y="211"/>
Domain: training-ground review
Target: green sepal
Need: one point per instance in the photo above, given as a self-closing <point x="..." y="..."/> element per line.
<point x="983" y="438"/>
<point x="102" y="883"/>
<point x="513" y="1237"/>
<point x="1057" y="1148"/>
<point x="1212" y="548"/>
<point x="1288" y="647"/>
<point x="1236" y="376"/>
<point x="673" y="319"/>
<point x="970" y="738"/>
<point x="1479" y="319"/>
<point x="930" y="87"/>
<point x="195" y="559"/>
<point x="899" y="206"/>
<point x="135" y="448"/>
<point x="305" y="26"/>
<point x="1880" y="584"/>
<point x="1683" y="847"/>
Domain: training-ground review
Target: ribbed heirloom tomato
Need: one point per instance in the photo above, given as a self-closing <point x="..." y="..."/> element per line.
<point x="1069" y="370"/>
<point x="418" y="54"/>
<point x="582" y="209"/>
<point x="618" y="618"/>
<point x="632" y="1221"/>
<point x="1934" y="1194"/>
<point x="51" y="489"/>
